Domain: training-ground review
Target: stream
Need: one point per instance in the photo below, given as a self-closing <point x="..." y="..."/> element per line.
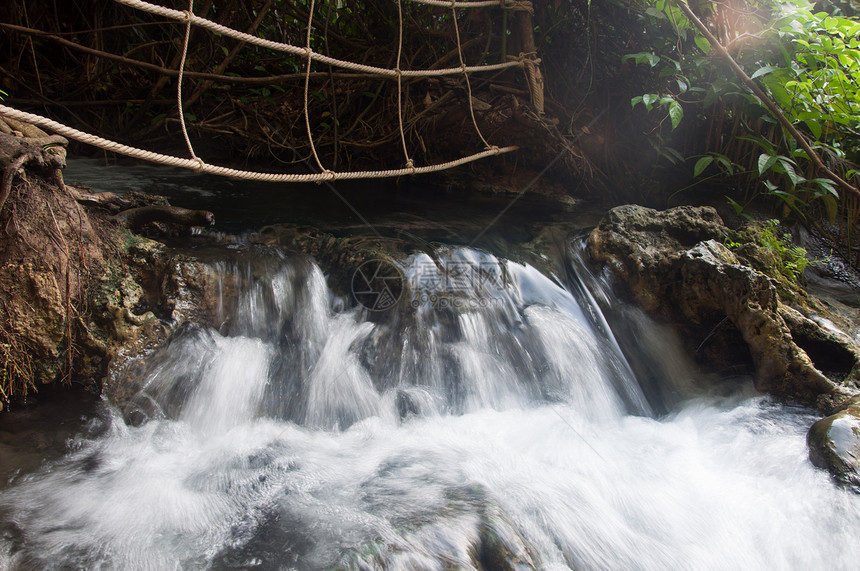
<point x="488" y="416"/>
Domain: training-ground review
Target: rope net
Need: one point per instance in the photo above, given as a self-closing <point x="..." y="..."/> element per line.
<point x="189" y="19"/>
<point x="197" y="164"/>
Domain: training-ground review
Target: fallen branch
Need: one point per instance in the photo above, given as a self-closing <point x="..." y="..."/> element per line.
<point x="136" y="218"/>
<point x="768" y="102"/>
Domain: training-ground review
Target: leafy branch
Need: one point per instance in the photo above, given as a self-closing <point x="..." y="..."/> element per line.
<point x="772" y="107"/>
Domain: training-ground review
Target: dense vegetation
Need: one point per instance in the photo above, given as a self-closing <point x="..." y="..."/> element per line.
<point x="795" y="139"/>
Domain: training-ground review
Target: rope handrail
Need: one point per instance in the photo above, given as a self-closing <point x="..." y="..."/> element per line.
<point x="307" y="112"/>
<point x="507" y="4"/>
<point x="466" y="77"/>
<point x="199" y="165"/>
<point x="306" y="52"/>
<point x="409" y="162"/>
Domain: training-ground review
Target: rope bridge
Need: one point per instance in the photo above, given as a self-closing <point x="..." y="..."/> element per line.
<point x="527" y="61"/>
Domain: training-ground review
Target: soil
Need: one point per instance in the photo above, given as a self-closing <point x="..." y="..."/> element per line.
<point x="67" y="281"/>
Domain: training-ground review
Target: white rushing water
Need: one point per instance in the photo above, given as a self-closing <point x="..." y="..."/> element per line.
<point x="496" y="426"/>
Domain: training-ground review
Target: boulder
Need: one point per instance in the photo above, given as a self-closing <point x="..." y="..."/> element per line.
<point x="834" y="444"/>
<point x="678" y="269"/>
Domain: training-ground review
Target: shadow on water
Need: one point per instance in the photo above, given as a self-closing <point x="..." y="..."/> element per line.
<point x="447" y="213"/>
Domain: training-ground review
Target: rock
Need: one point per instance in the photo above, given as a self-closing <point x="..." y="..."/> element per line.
<point x="81" y="296"/>
<point x="834" y="352"/>
<point x="51" y="253"/>
<point x="711" y="284"/>
<point x="677" y="268"/>
<point x="637" y="241"/>
<point x="340" y="257"/>
<point x="834" y="444"/>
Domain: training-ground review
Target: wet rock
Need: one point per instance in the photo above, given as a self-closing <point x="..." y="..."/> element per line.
<point x="640" y="244"/>
<point x="711" y="284"/>
<point x="165" y="291"/>
<point x="467" y="530"/>
<point x="834" y="445"/>
<point x="341" y="257"/>
<point x="677" y="268"/>
<point x="834" y="352"/>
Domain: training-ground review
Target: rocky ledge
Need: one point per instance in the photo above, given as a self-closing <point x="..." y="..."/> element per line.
<point x="81" y="292"/>
<point x="677" y="267"/>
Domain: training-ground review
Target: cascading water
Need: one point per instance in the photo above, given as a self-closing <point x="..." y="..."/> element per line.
<point x="487" y="419"/>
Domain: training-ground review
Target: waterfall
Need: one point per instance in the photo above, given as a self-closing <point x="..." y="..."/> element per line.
<point x="488" y="418"/>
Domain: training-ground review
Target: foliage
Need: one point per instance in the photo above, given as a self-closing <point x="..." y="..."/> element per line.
<point x="814" y="75"/>
<point x="807" y="62"/>
<point x="791" y="260"/>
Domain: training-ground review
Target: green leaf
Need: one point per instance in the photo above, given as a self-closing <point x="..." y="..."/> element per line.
<point x="726" y="163"/>
<point x="789" y="198"/>
<point x="765" y="162"/>
<point x="763" y="143"/>
<point x="703" y="44"/>
<point x="814" y="128"/>
<point x="650" y="58"/>
<point x="832" y="208"/>
<point x="676" y="113"/>
<point x="763" y="71"/>
<point x="701" y="165"/>
<point x="649" y="99"/>
<point x="634" y="101"/>
<point x="769" y="186"/>
<point x="789" y="171"/>
<point x="826" y="185"/>
<point x="672" y="155"/>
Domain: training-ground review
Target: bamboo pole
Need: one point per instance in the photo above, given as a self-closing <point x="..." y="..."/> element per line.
<point x="525" y="30"/>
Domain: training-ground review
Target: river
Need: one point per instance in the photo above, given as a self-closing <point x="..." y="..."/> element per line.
<point x="485" y="417"/>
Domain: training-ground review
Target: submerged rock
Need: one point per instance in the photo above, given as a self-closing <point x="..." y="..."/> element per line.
<point x="677" y="268"/>
<point x="834" y="444"/>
